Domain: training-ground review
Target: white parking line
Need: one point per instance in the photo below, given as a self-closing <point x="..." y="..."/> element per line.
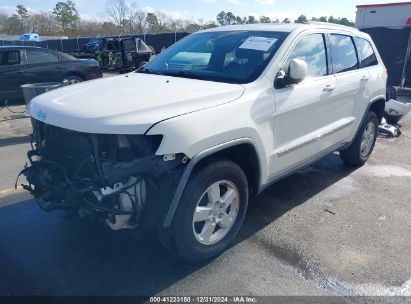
<point x="10" y="190"/>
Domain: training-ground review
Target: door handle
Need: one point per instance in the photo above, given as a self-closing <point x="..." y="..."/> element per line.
<point x="365" y="78"/>
<point x="329" y="88"/>
<point x="59" y="67"/>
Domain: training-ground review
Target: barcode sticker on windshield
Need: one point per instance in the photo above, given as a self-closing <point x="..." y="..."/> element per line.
<point x="258" y="43"/>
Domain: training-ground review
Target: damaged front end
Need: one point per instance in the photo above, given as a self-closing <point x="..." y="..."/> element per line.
<point x="115" y="177"/>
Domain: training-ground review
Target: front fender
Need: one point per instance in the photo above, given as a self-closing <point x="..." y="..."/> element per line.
<point x="189" y="169"/>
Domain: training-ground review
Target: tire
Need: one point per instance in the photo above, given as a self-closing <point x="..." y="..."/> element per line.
<point x="74" y="79"/>
<point x="361" y="148"/>
<point x="183" y="237"/>
<point x="392" y="119"/>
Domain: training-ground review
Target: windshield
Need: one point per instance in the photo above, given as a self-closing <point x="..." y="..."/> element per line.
<point x="231" y="56"/>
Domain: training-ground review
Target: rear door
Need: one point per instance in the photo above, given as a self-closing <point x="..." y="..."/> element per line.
<point x="43" y="66"/>
<point x="129" y="47"/>
<point x="370" y="70"/>
<point x="352" y="92"/>
<point x="11" y="75"/>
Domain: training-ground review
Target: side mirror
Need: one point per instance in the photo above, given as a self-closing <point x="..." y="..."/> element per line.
<point x="298" y="70"/>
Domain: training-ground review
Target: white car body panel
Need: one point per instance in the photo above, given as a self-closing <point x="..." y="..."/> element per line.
<point x="128" y="104"/>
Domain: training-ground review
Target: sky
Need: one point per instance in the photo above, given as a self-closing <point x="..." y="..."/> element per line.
<point x="208" y="9"/>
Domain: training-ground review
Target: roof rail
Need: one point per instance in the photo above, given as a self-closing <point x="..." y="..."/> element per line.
<point x="332" y="24"/>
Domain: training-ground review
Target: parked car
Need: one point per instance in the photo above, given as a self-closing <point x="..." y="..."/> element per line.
<point x="181" y="147"/>
<point x="118" y="54"/>
<point x="30" y="37"/>
<point x="23" y="65"/>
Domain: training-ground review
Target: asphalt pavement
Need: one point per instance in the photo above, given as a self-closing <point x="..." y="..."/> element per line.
<point x="326" y="230"/>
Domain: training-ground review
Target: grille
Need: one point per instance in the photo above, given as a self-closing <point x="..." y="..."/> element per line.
<point x="67" y="149"/>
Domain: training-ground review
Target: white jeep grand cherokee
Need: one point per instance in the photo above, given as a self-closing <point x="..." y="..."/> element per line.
<point x="182" y="143"/>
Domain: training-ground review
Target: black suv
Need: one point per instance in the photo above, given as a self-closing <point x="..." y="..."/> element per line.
<point x="118" y="54"/>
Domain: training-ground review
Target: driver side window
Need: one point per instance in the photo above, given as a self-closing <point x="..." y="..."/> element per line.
<point x="311" y="49"/>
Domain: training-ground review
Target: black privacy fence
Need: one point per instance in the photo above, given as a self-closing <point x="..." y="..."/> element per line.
<point x="392" y="45"/>
<point x="75" y="45"/>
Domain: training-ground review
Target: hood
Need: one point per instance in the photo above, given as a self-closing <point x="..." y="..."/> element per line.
<point x="128" y="104"/>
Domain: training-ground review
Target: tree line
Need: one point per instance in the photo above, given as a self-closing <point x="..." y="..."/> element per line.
<point x="122" y="17"/>
<point x="228" y="18"/>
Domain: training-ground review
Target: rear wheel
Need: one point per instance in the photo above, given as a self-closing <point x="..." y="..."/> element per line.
<point x="210" y="212"/>
<point x="361" y="148"/>
<point x="73" y="79"/>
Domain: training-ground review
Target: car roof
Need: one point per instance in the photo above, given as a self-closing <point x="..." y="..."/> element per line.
<point x="284" y="27"/>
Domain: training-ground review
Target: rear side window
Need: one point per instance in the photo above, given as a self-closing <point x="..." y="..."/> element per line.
<point x="311" y="49"/>
<point x="365" y="53"/>
<point x="37" y="56"/>
<point x="9" y="58"/>
<point x="54" y="57"/>
<point x="343" y="53"/>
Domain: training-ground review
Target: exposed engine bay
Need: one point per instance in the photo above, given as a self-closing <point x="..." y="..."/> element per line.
<point x="113" y="177"/>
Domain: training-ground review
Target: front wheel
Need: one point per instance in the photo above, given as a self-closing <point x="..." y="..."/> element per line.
<point x="361" y="148"/>
<point x="210" y="212"/>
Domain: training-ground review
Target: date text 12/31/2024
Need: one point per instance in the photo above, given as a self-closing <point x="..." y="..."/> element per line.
<point x="203" y="299"/>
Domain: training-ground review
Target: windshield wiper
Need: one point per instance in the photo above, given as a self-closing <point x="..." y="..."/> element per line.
<point x="149" y="71"/>
<point x="185" y="74"/>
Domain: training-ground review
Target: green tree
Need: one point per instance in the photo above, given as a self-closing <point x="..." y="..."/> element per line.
<point x="226" y="18"/>
<point x="152" y="22"/>
<point x="251" y="20"/>
<point x="24" y="17"/>
<point x="345" y="21"/>
<point x="331" y="19"/>
<point x="286" y="20"/>
<point x="265" y="19"/>
<point x="301" y="19"/>
<point x="222" y="18"/>
<point x="231" y="18"/>
<point x="67" y="15"/>
<point x="239" y="20"/>
<point x="323" y="19"/>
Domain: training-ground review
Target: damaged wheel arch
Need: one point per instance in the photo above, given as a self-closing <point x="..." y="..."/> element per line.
<point x="231" y="150"/>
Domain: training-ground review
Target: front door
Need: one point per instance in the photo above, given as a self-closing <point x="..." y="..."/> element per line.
<point x="306" y="113"/>
<point x="11" y="75"/>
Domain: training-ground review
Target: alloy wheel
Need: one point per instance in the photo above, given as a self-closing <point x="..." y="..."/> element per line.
<point x="216" y="212"/>
<point x="367" y="140"/>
